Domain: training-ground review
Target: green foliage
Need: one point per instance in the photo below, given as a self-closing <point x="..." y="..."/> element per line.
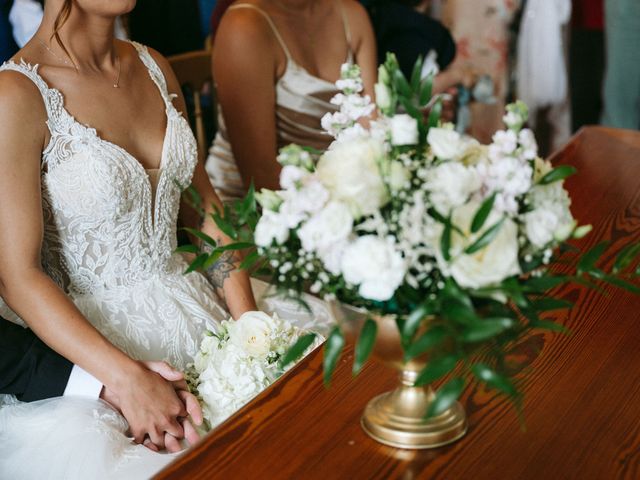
<point x="332" y="351"/>
<point x="446" y="396"/>
<point x="557" y="174"/>
<point x="296" y="351"/>
<point x="365" y="344"/>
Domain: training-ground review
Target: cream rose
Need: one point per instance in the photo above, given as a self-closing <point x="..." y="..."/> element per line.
<point x="446" y="144"/>
<point x="252" y="333"/>
<point x="350" y="171"/>
<point x="488" y="266"/>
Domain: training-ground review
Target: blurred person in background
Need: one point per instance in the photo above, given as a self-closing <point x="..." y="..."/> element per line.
<point x="481" y="31"/>
<point x="622" y="78"/>
<point x="7" y="43"/>
<point x="275" y="63"/>
<point x="586" y="62"/>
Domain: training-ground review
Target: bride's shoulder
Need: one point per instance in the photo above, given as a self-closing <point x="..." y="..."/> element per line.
<point x="19" y="94"/>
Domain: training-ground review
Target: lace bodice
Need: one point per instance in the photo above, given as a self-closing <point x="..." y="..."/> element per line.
<point x="102" y="228"/>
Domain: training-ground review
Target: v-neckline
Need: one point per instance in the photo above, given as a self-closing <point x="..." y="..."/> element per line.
<point x="153" y="199"/>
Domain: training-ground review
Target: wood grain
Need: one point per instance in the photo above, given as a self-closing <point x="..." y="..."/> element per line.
<point x="582" y="390"/>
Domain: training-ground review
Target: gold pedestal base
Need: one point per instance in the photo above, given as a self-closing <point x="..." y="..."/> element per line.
<point x="397" y="419"/>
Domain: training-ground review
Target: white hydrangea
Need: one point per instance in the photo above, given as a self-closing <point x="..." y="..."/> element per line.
<point x="510" y="177"/>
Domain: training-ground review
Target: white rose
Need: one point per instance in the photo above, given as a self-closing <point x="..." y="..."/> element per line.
<point x="333" y="224"/>
<point x="446" y="144"/>
<point x="488" y="266"/>
<point x="404" y="130"/>
<point x="271" y="227"/>
<point x="252" y="333"/>
<point x="451" y="184"/>
<point x="383" y="96"/>
<point x="375" y="266"/>
<point x="350" y="171"/>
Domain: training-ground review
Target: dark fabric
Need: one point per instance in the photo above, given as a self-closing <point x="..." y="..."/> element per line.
<point x="586" y="74"/>
<point x="8" y="45"/>
<point x="409" y="34"/>
<point x="28" y="368"/>
<point x="588" y="14"/>
<point x="221" y="7"/>
<point x="169" y="26"/>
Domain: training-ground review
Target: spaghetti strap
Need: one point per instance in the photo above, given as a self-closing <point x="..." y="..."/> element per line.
<point x="269" y="21"/>
<point x="345" y="23"/>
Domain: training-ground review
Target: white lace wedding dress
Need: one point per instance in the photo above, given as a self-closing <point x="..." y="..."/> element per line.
<point x="110" y="245"/>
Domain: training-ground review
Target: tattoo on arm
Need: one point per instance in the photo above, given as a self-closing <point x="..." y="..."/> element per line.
<point x="222" y="269"/>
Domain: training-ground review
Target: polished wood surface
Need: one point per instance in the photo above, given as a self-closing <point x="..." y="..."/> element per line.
<point x="582" y="408"/>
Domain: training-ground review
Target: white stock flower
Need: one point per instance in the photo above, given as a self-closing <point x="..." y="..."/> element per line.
<point x="446" y="144"/>
<point x="252" y="333"/>
<point x="512" y="120"/>
<point x="349" y="85"/>
<point x="551" y="217"/>
<point x="451" y="184"/>
<point x="353" y="106"/>
<point x="350" y="171"/>
<point x="291" y="176"/>
<point x="510" y="177"/>
<point x="331" y="225"/>
<point x="489" y="265"/>
<point x="505" y="142"/>
<point x="333" y="123"/>
<point x="375" y="266"/>
<point x="404" y="130"/>
<point x="271" y="228"/>
<point x="269" y="200"/>
<point x="310" y="197"/>
<point x="528" y="144"/>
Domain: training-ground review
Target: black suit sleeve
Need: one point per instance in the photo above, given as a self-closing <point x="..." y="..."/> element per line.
<point x="29" y="369"/>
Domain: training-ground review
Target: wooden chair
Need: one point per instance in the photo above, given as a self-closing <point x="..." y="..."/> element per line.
<point x="193" y="70"/>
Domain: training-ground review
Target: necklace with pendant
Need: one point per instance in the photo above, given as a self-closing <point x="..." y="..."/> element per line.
<point x="116" y="84"/>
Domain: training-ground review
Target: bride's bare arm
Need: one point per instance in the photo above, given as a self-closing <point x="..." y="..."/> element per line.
<point x="148" y="402"/>
<point x="230" y="283"/>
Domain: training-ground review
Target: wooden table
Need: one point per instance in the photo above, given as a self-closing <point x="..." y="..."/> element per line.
<point x="582" y="395"/>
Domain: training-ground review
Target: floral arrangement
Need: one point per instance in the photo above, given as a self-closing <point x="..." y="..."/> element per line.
<point x="236" y="363"/>
<point x="403" y="215"/>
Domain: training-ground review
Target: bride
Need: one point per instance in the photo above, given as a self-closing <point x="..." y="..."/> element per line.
<point x="94" y="147"/>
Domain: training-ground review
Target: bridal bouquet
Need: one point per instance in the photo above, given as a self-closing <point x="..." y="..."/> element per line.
<point x="236" y="363"/>
<point x="403" y="215"/>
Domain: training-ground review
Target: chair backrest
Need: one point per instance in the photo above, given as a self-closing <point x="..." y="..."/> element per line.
<point x="193" y="70"/>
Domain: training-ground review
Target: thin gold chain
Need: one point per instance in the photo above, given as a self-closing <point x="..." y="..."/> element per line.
<point x="116" y="84"/>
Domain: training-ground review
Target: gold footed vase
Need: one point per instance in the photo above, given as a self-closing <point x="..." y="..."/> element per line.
<point x="398" y="418"/>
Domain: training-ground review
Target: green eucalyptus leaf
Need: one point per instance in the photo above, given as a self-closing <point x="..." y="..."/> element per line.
<point x="236" y="246"/>
<point x="201" y="235"/>
<point x="365" y="344"/>
<point x="486" y="328"/>
<point x="332" y="351"/>
<point x="437" y="368"/>
<point x="557" y="174"/>
<point x="415" y="318"/>
<point x="197" y="263"/>
<point x="446" y="396"/>
<point x="297" y="349"/>
<point x="411" y="109"/>
<point x="588" y="261"/>
<point x="548" y="304"/>
<point x="621" y="283"/>
<point x="249" y="261"/>
<point x="213" y="258"/>
<point x="482" y="214"/>
<point x="431" y="338"/>
<point x="187" y="249"/>
<point x="486" y="238"/>
<point x="626" y="256"/>
<point x="495" y="380"/>
<point x="549" y="325"/>
<point x="544" y="283"/>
